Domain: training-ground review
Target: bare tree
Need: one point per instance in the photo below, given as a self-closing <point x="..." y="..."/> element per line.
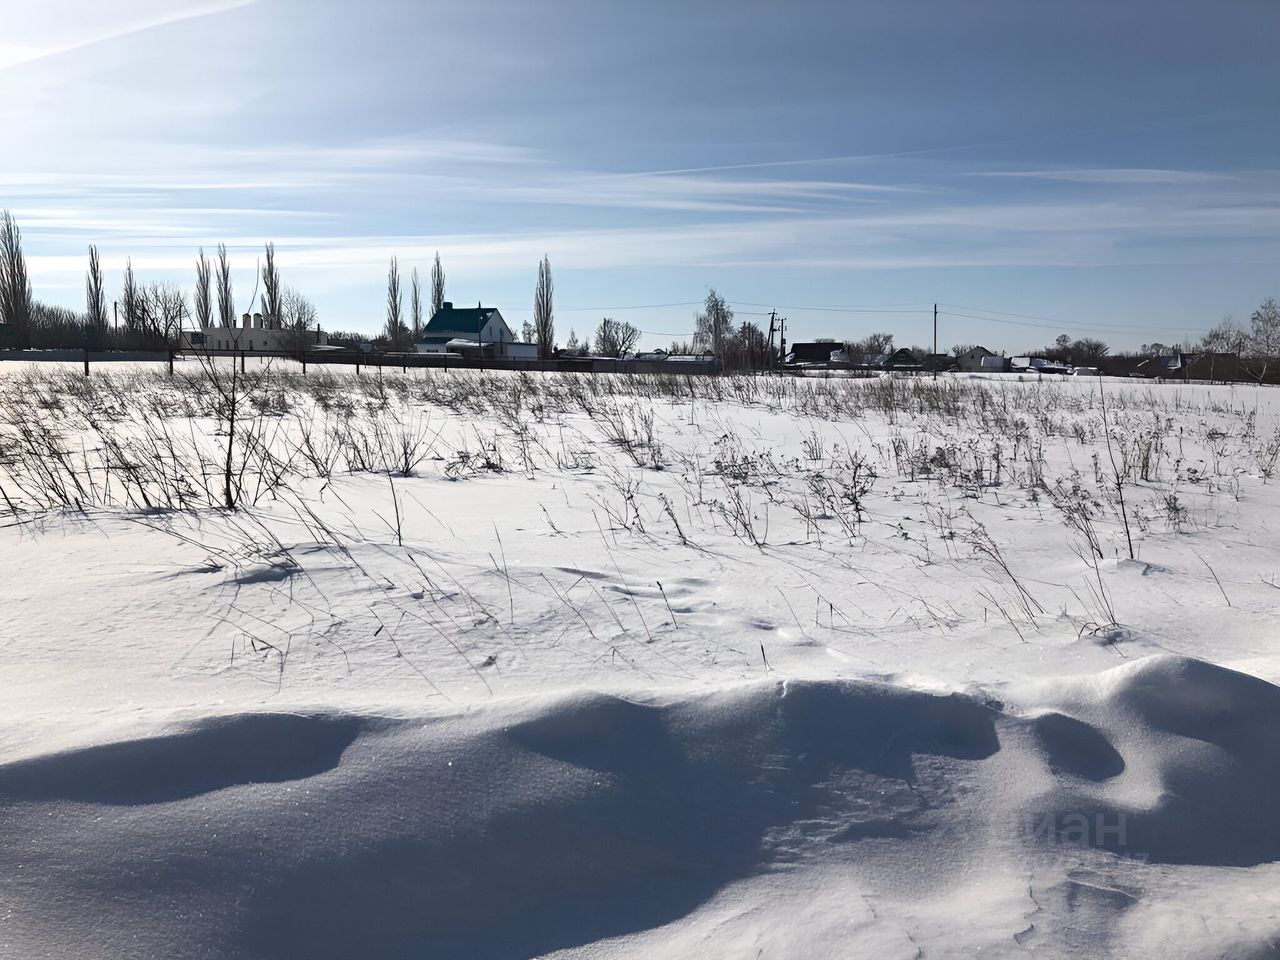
<point x="202" y="299"/>
<point x="297" y="315"/>
<point x="415" y="303"/>
<point x="395" y="329"/>
<point x="437" y="286"/>
<point x="1226" y="337"/>
<point x="1088" y="350"/>
<point x="16" y="302"/>
<point x="271" y="290"/>
<point x="131" y="299"/>
<point x="713" y="324"/>
<point x="162" y="312"/>
<point x="95" y="298"/>
<point x="1266" y="329"/>
<point x="226" y="302"/>
<point x="544" y="327"/>
<point x="616" y="338"/>
<point x="296" y="310"/>
<point x="746" y="347"/>
<point x="872" y="345"/>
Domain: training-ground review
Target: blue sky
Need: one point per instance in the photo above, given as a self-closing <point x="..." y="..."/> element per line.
<point x="1096" y="168"/>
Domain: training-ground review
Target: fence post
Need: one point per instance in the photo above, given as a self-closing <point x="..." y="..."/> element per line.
<point x="241" y="361"/>
<point x="86" y="360"/>
<point x="171" y="361"/>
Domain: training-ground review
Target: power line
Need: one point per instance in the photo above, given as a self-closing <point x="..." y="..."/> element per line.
<point x="1002" y="313"/>
<point x="1077" y="324"/>
<point x="920" y="307"/>
<point x="957" y="311"/>
<point x="1071" y="323"/>
<point x="639" y="306"/>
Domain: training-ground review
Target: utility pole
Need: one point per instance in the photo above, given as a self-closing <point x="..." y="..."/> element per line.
<point x="935" y="341"/>
<point x="772" y="320"/>
<point x="782" y="338"/>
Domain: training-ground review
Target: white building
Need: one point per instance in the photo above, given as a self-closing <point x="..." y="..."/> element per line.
<point x="252" y="335"/>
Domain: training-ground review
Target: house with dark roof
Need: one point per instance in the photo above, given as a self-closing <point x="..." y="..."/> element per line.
<point x="818" y="352"/>
<point x="481" y="326"/>
<point x="1162" y="368"/>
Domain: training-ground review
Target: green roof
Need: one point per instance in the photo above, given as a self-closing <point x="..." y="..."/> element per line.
<point x="450" y="321"/>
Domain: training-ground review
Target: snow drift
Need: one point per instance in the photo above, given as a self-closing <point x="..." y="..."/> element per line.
<point x="848" y="815"/>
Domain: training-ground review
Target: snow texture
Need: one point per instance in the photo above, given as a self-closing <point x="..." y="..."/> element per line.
<point x="631" y="670"/>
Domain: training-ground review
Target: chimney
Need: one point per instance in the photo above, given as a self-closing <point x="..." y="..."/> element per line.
<point x="247" y="321"/>
<point x="257" y="321"/>
<point x="447" y="305"/>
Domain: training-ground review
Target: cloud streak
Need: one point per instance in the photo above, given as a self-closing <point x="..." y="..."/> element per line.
<point x="13" y="55"/>
<point x="1127" y="176"/>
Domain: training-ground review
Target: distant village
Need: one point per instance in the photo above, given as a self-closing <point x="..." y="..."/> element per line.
<point x="164" y="318"/>
<point x="829" y="355"/>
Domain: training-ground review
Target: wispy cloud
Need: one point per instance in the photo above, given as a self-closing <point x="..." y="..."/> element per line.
<point x="1128" y="176"/>
<point x="942" y="236"/>
<point x="12" y="55"/>
<point x="454" y="170"/>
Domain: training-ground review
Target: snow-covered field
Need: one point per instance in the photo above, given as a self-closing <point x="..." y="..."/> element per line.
<point x="495" y="666"/>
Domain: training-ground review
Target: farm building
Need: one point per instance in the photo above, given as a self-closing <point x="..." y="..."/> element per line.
<point x="481" y="328"/>
<point x="254" y="334"/>
<point x="971" y="361"/>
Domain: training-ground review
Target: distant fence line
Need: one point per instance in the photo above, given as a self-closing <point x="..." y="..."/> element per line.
<point x="1239" y="370"/>
<point x="385" y="361"/>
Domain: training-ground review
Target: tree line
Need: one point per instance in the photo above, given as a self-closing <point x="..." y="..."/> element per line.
<point x="150" y="315"/>
<point x="146" y="315"/>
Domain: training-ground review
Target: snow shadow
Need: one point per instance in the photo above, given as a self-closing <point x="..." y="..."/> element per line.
<point x="604" y="817"/>
<point x="1203" y="744"/>
<point x="1074" y="747"/>
<point x="217" y="753"/>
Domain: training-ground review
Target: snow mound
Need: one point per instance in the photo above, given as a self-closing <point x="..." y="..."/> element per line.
<point x="1177" y="758"/>
<point x="630" y="824"/>
<point x="513" y="830"/>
